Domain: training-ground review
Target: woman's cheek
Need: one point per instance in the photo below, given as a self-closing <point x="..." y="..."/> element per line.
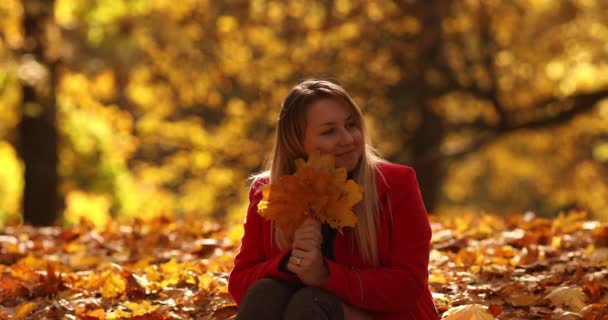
<point x="323" y="145"/>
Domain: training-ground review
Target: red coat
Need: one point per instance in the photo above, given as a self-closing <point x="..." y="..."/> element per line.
<point x="397" y="290"/>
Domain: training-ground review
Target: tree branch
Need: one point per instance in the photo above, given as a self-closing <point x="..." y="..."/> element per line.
<point x="579" y="103"/>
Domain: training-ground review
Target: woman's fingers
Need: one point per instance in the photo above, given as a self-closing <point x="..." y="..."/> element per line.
<point x="308" y="235"/>
<point x="297" y="257"/>
<point x="305" y="240"/>
<point x="296" y="260"/>
<point x="312" y="222"/>
<point x="307" y="246"/>
<point x="309" y="226"/>
<point x="303" y="259"/>
<point x="308" y="230"/>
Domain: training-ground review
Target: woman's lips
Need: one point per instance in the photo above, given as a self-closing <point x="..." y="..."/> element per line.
<point x="344" y="153"/>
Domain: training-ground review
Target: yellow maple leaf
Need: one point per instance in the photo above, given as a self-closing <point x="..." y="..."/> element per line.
<point x="316" y="189"/>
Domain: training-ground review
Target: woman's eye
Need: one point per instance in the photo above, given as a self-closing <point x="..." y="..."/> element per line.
<point x="351" y="125"/>
<point x="327" y="132"/>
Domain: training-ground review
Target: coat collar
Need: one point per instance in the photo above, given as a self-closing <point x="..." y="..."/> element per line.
<point x="382" y="185"/>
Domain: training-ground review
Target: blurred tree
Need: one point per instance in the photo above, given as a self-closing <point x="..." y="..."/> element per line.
<point x="11" y="169"/>
<point x="164" y="108"/>
<point x="529" y="92"/>
<point x="37" y="128"/>
<point x="468" y="53"/>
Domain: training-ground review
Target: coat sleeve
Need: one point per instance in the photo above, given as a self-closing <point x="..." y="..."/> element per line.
<point x="398" y="284"/>
<point x="251" y="263"/>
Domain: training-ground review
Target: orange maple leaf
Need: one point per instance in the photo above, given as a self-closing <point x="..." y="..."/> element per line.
<point x="317" y="189"/>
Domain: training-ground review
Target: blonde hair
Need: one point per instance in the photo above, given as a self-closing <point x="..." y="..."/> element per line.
<point x="288" y="147"/>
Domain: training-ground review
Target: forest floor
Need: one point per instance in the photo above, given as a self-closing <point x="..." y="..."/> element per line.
<point x="481" y="267"/>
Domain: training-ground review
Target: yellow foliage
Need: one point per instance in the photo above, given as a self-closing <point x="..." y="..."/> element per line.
<point x="205" y="281"/>
<point x="235" y="233"/>
<point x="11" y="183"/>
<point x="10" y="99"/>
<point x="172" y="271"/>
<point x="11" y="13"/>
<point x="66" y="12"/>
<point x="163" y="65"/>
<point x="95" y="208"/>
<point x="33" y="262"/>
<point x="317" y="189"/>
<point x="227" y="24"/>
<point x="113" y="286"/>
<point x="103" y="85"/>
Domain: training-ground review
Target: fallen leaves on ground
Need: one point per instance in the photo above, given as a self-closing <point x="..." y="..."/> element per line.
<point x="160" y="269"/>
<point x="468" y="312"/>
<point x="520" y="266"/>
<point x="482" y="267"/>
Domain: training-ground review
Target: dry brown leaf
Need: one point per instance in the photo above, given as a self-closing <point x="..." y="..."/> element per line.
<point x="468" y="312"/>
<point x="83" y="261"/>
<point x="600" y="235"/>
<point x="523" y="299"/>
<point x="599" y="256"/>
<point x="596" y="311"/>
<point x="572" y="298"/>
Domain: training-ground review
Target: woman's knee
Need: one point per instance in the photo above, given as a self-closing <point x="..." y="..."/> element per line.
<point x="269" y="287"/>
<point x="264" y="299"/>
<point x="314" y="303"/>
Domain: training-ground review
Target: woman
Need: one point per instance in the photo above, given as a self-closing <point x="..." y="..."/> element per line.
<point x="376" y="270"/>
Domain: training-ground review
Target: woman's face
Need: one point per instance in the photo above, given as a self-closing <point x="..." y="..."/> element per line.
<point x="332" y="128"/>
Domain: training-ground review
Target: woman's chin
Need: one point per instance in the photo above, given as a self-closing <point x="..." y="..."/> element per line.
<point x="348" y="164"/>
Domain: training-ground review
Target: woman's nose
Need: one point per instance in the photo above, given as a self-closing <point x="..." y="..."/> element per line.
<point x="346" y="137"/>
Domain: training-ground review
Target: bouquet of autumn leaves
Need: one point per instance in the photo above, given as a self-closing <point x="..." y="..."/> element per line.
<point x="317" y="189"/>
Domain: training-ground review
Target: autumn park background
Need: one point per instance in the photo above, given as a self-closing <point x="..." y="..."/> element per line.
<point x="123" y="109"/>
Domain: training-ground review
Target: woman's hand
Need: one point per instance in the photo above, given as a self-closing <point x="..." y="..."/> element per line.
<point x="306" y="259"/>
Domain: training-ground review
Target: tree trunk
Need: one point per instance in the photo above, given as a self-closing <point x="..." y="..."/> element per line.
<point x="38" y="138"/>
<point x="427" y="160"/>
<point x="419" y="93"/>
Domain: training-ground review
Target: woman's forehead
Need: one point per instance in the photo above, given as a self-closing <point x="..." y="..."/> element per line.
<point x="328" y="109"/>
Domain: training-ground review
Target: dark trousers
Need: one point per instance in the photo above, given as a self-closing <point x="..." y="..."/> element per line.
<point x="273" y="299"/>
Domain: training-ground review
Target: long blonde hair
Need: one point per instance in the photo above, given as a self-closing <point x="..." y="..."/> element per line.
<point x="288" y="147"/>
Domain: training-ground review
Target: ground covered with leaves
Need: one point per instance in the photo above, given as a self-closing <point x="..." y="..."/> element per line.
<point x="482" y="267"/>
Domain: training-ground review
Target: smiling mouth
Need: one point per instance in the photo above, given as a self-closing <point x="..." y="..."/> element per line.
<point x="343" y="153"/>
